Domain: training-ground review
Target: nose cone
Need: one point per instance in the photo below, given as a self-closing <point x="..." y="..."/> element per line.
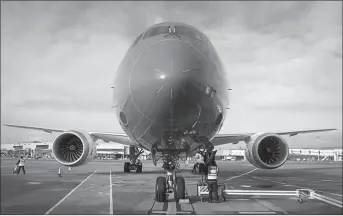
<point x="163" y="82"/>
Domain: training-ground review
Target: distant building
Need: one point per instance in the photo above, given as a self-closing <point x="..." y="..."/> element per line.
<point x="316" y="154"/>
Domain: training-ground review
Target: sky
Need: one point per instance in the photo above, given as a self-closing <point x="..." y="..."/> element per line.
<point x="283" y="61"/>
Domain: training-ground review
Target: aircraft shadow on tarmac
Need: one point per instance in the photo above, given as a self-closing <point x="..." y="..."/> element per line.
<point x="133" y="173"/>
<point x="151" y="172"/>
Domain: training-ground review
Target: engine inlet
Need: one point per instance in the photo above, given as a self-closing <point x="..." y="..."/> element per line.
<point x="272" y="151"/>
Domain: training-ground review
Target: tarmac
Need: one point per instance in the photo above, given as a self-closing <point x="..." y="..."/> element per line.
<point x="101" y="187"/>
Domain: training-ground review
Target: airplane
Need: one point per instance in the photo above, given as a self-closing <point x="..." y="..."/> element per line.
<point x="171" y="96"/>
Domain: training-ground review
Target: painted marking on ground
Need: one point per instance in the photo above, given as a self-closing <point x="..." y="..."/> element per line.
<point x="64" y="198"/>
<point x="35" y="183"/>
<point x="111" y="195"/>
<point x="270" y="206"/>
<point x="187" y="196"/>
<point x="340" y="195"/>
<point x="238" y="199"/>
<point x="241" y="174"/>
<point x="171" y="208"/>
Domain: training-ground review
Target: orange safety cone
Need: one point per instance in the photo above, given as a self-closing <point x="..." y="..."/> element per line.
<point x="69" y="168"/>
<point x="59" y="172"/>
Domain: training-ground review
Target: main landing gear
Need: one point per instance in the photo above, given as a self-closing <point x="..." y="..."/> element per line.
<point x="135" y="163"/>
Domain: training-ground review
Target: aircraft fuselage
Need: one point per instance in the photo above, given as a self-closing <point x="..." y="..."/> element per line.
<point x="170" y="83"/>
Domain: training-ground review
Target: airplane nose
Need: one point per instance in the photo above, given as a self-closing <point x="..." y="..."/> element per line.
<point x="163" y="82"/>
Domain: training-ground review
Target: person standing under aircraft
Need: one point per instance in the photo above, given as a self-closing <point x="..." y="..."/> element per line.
<point x="195" y="167"/>
<point x="212" y="182"/>
<point x="21" y="164"/>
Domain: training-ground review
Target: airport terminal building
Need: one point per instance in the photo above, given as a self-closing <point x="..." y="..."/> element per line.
<point x="294" y="154"/>
<point x="119" y="151"/>
<point x="38" y="149"/>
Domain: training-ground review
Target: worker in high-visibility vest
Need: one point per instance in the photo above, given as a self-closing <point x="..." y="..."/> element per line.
<point x="212" y="182"/>
<point x="205" y="165"/>
<point x="21" y="164"/>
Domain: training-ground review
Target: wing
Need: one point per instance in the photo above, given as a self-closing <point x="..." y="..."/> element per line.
<point x="111" y="137"/>
<point x="221" y="139"/>
<point x="106" y="137"/>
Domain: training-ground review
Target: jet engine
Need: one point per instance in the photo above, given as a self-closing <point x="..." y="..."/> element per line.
<point x="266" y="151"/>
<point x="74" y="148"/>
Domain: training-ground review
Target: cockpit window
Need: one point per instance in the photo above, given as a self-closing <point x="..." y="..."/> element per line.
<point x="137" y="39"/>
<point x="182" y="30"/>
<point x="156" y="31"/>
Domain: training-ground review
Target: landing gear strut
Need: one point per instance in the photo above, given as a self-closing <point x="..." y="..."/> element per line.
<point x="171" y="183"/>
<point x="135" y="163"/>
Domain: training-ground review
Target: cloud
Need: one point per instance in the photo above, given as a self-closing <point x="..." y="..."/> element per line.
<point x="67" y="105"/>
<point x="283" y="60"/>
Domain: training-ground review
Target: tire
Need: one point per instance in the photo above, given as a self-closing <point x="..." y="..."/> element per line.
<point x="180" y="188"/>
<point x="127" y="167"/>
<point x="139" y="168"/>
<point x="160" y="191"/>
<point x="201" y="168"/>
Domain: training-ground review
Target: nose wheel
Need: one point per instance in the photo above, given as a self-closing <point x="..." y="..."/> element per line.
<point x="180" y="188"/>
<point x="168" y="185"/>
<point x="161" y="189"/>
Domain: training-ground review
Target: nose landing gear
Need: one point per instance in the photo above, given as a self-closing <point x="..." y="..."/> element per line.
<point x="171" y="184"/>
<point x="168" y="185"/>
<point x="176" y="184"/>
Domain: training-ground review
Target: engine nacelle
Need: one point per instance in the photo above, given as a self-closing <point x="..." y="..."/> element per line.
<point x="266" y="151"/>
<point x="74" y="148"/>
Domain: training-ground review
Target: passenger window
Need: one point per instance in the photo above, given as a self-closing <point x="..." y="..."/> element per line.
<point x="182" y="30"/>
<point x="156" y="31"/>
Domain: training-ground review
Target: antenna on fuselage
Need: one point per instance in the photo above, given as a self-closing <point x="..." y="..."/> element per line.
<point x="230" y="89"/>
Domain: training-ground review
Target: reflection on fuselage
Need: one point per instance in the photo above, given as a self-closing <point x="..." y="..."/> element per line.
<point x="170" y="84"/>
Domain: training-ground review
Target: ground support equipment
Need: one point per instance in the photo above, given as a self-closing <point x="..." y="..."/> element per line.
<point x="306" y="194"/>
<point x="202" y="189"/>
<point x="302" y="194"/>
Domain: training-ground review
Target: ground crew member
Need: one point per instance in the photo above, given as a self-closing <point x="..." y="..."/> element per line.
<point x="21" y="164"/>
<point x="205" y="165"/>
<point x="212" y="182"/>
<point x="196" y="166"/>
